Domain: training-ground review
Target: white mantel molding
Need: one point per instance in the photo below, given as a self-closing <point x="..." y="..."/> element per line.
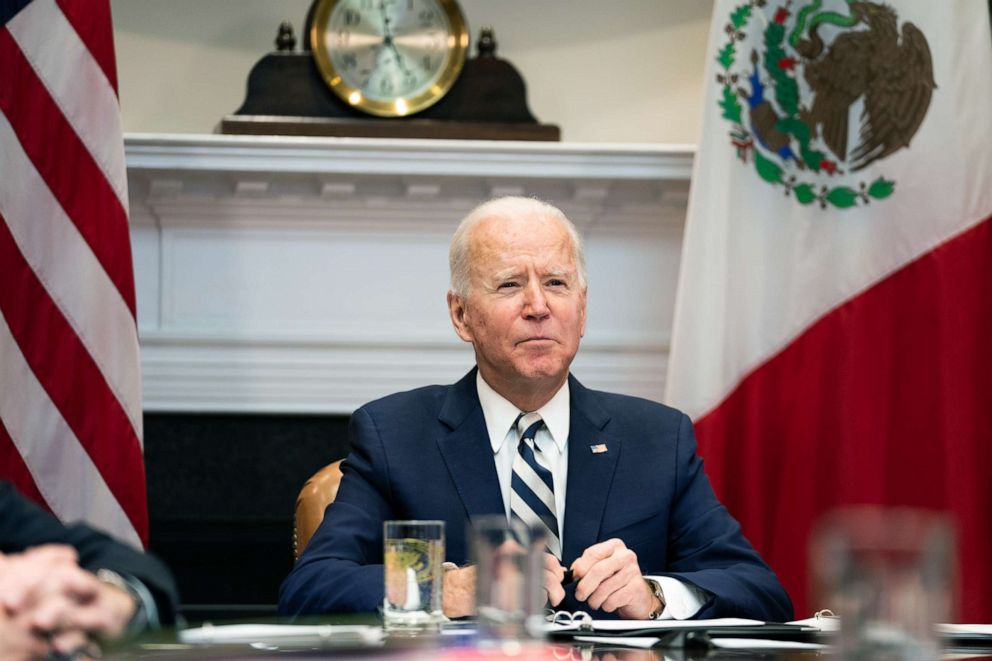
<point x="284" y="274"/>
<point x="152" y="152"/>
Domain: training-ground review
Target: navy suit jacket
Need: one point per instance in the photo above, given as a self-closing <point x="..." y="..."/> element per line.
<point x="24" y="525"/>
<point x="425" y="454"/>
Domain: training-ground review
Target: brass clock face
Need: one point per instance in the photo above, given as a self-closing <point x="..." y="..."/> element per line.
<point x="389" y="57"/>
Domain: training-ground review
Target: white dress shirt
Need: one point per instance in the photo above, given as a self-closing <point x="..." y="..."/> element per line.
<point x="682" y="601"/>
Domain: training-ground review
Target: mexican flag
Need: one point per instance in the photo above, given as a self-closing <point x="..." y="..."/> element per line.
<point x="833" y="324"/>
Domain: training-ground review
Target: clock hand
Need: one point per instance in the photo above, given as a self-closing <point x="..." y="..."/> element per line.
<point x="387" y="33"/>
<point x="387" y="36"/>
<point x="387" y="40"/>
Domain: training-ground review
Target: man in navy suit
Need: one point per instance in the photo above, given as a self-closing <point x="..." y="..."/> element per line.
<point x="618" y="485"/>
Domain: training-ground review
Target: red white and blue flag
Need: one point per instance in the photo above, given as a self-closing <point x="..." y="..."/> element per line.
<point x="833" y="324"/>
<point x="70" y="381"/>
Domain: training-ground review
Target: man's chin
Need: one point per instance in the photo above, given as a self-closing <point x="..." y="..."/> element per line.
<point x="549" y="372"/>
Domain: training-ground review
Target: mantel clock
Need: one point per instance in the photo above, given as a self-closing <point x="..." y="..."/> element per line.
<point x="389" y="58"/>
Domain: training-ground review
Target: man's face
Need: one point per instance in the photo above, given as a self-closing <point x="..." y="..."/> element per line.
<point x="526" y="309"/>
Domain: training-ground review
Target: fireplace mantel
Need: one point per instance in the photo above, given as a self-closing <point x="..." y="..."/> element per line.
<point x="308" y="275"/>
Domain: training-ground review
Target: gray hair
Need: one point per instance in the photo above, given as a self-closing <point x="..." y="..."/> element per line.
<point x="460" y="259"/>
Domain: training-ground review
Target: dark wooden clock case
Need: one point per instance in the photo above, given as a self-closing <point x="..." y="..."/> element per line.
<point x="287" y="96"/>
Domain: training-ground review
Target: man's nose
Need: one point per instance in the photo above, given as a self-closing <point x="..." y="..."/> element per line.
<point x="535" y="301"/>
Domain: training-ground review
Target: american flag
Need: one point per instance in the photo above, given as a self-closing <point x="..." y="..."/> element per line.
<point x="70" y="379"/>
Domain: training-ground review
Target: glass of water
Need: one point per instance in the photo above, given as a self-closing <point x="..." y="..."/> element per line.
<point x="510" y="579"/>
<point x="412" y="554"/>
<point x="888" y="574"/>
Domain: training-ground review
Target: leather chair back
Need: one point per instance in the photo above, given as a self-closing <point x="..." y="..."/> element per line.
<point x="317" y="493"/>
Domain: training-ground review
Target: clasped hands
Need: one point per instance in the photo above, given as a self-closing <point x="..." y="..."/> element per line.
<point x="48" y="603"/>
<point x="607" y="575"/>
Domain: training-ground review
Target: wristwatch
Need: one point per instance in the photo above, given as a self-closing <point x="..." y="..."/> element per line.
<point x="656" y="591"/>
<point x="139" y="620"/>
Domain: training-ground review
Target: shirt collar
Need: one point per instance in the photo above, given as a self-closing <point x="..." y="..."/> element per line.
<point x="500" y="414"/>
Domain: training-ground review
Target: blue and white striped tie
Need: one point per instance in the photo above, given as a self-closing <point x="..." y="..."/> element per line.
<point x="532" y="496"/>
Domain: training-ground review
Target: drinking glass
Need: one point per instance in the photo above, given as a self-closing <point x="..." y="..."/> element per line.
<point x="887" y="572"/>
<point x="510" y="569"/>
<point x="412" y="554"/>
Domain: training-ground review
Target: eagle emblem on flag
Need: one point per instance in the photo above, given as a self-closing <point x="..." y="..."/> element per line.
<point x="816" y="92"/>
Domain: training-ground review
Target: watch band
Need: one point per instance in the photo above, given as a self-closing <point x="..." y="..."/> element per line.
<point x="656" y="590"/>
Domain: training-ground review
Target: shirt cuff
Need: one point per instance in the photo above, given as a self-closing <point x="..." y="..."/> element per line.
<point x="682" y="600"/>
<point x="146" y="607"/>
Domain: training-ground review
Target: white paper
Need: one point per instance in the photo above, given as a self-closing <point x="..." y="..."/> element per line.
<point x="763" y="644"/>
<point x="965" y="629"/>
<point x="280" y="633"/>
<point x="626" y="641"/>
<point x="654" y="625"/>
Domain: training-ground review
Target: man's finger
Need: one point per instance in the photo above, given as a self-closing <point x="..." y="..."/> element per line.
<point x="51" y="614"/>
<point x="28" y="577"/>
<point x="70" y="642"/>
<point x="106" y="616"/>
<point x="613" y="588"/>
<point x="625" y="596"/>
<point x="598" y="573"/>
<point x="594" y="554"/>
<point x="551" y="564"/>
<point x="55" y="553"/>
<point x="603" y="570"/>
<point x="18" y="641"/>
<point x="552" y="585"/>
<point x="73" y="582"/>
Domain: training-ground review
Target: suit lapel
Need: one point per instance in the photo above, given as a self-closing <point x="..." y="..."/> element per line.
<point x="466" y="450"/>
<point x="590" y="475"/>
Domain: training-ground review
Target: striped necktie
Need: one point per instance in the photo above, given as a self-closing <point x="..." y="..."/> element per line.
<point x="532" y="496"/>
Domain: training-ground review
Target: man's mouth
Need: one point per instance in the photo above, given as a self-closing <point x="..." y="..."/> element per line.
<point x="536" y="339"/>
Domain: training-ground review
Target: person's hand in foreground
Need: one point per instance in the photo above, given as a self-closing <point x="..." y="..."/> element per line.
<point x="18" y="642"/>
<point x="458" y="597"/>
<point x="46" y="593"/>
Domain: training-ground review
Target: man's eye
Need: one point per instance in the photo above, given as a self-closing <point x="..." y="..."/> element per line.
<point x="556" y="282"/>
<point x="507" y="285"/>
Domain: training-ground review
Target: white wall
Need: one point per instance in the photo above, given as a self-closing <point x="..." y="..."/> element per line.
<point x="603" y="70"/>
<point x="308" y="276"/>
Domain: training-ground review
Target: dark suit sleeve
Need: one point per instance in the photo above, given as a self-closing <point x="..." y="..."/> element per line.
<point x="708" y="550"/>
<point x="24" y="525"/>
<point x="341" y="569"/>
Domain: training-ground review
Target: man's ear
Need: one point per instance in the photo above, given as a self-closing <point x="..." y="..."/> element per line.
<point x="456" y="308"/>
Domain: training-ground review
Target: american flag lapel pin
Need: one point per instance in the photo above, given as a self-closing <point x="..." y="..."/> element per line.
<point x="599" y="448"/>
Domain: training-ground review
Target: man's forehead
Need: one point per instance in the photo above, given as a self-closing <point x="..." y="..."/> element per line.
<point x="501" y="224"/>
<point x="559" y="269"/>
<point x="551" y="258"/>
<point x="518" y="234"/>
